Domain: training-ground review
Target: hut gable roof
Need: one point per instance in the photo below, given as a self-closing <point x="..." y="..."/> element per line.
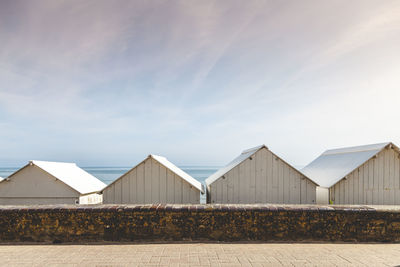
<point x="71" y="175"/>
<point x="335" y="164"/>
<point x="242" y="157"/>
<point x="170" y="166"/>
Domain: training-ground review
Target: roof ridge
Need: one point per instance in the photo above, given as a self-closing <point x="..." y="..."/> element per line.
<point x="184" y="175"/>
<point x="233" y="163"/>
<point x="55" y="162"/>
<point x="333" y="165"/>
<point x="253" y="149"/>
<point x="355" y="149"/>
<point x="72" y="175"/>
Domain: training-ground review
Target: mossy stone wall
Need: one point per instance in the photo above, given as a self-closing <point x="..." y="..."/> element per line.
<point x="198" y="222"/>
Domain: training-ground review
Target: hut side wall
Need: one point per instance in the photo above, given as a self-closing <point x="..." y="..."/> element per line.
<point x="376" y="182"/>
<point x="33" y="186"/>
<point x="322" y="195"/>
<point x="263" y="179"/>
<point x="151" y="183"/>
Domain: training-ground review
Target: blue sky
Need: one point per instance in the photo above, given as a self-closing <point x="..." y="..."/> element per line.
<point x="109" y="82"/>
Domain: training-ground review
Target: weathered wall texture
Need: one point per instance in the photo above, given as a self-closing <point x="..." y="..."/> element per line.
<point x="375" y="182"/>
<point x="263" y="178"/>
<point x="198" y="222"/>
<point x="150" y="182"/>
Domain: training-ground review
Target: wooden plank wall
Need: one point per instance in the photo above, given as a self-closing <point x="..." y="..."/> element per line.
<point x="376" y="182"/>
<point x="263" y="179"/>
<point x="151" y="183"/>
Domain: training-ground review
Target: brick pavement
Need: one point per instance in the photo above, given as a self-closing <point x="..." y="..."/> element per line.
<point x="202" y="254"/>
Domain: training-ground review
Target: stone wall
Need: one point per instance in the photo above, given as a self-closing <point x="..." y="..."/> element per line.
<point x="77" y="223"/>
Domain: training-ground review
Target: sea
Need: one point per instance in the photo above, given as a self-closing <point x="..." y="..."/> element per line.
<point x="109" y="174"/>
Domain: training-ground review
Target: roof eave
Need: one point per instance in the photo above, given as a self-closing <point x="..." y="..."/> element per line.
<point x="198" y="185"/>
<point x="208" y="182"/>
<point x="374" y="155"/>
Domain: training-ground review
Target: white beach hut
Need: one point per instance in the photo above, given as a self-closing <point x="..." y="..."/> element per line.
<point x="259" y="176"/>
<point x="368" y="174"/>
<point x="43" y="182"/>
<point x="154" y="180"/>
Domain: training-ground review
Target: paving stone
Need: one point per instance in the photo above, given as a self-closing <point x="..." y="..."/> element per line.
<point x="202" y="254"/>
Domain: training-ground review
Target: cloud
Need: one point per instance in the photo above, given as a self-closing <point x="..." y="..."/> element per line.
<point x="196" y="81"/>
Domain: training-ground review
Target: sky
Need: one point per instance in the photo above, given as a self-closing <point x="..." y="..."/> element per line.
<point x="105" y="83"/>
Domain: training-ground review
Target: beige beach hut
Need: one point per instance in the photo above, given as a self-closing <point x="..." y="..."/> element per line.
<point x="154" y="180"/>
<point x="260" y="176"/>
<point x="368" y="174"/>
<point x="43" y="182"/>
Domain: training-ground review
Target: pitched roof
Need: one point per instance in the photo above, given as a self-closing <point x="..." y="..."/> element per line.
<point x="169" y="165"/>
<point x="71" y="175"/>
<point x="335" y="164"/>
<point x="242" y="157"/>
<point x="179" y="172"/>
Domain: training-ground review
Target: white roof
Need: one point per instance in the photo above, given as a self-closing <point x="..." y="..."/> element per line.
<point x="242" y="157"/>
<point x="169" y="165"/>
<point x="333" y="165"/>
<point x="71" y="175"/>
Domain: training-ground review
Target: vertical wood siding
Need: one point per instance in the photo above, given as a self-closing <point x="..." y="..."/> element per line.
<point x="263" y="179"/>
<point x="376" y="182"/>
<point x="151" y="183"/>
<point x="33" y="186"/>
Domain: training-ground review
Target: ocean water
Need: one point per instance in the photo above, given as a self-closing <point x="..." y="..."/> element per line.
<point x="109" y="174"/>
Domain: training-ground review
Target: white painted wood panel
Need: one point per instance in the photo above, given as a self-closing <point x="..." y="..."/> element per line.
<point x="33" y="186"/>
<point x="118" y="191"/>
<point x="155" y="181"/>
<point x="229" y="183"/>
<point x="163" y="185"/>
<point x="242" y="185"/>
<point x="311" y="192"/>
<point x="252" y="188"/>
<point x="391" y="176"/>
<point x="178" y="190"/>
<point x="140" y="190"/>
<point x="147" y="181"/>
<point x="269" y="176"/>
<point x="125" y="190"/>
<point x="376" y="182"/>
<point x="275" y="177"/>
<point x="170" y="187"/>
<point x="151" y="183"/>
<point x="185" y="193"/>
<point x="396" y="179"/>
<point x="263" y="179"/>
<point x="236" y="185"/>
<point x="280" y="181"/>
<point x="133" y="186"/>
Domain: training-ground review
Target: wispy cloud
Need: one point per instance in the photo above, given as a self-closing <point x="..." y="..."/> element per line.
<point x="99" y="82"/>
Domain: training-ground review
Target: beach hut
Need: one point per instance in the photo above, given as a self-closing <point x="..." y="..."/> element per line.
<point x="260" y="176"/>
<point x="366" y="174"/>
<point x="43" y="182"/>
<point x="154" y="180"/>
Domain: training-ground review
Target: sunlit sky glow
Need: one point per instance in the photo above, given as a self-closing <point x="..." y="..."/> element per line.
<point x="109" y="82"/>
